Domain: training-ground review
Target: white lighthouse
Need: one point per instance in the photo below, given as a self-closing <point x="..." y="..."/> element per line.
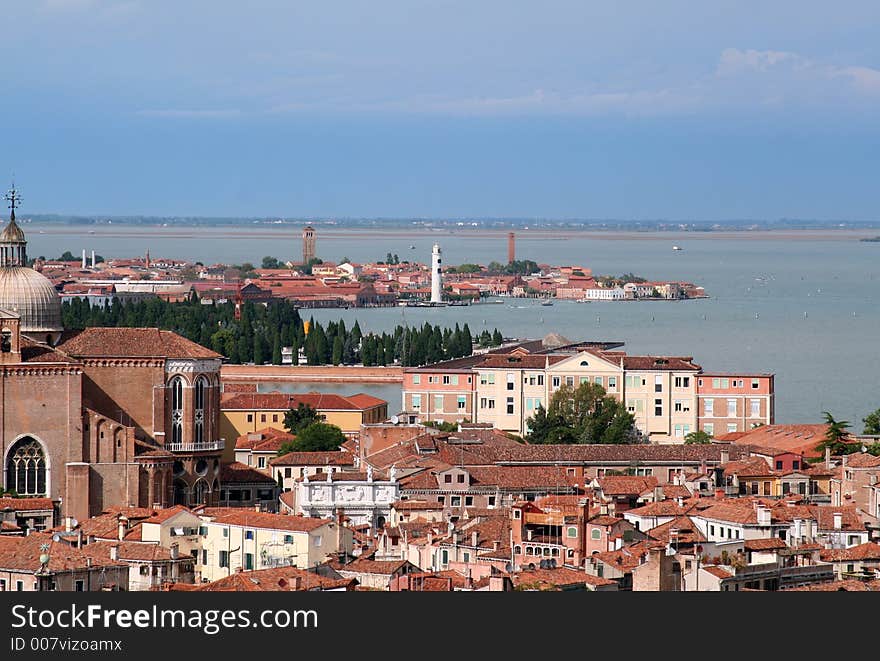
<point x="436" y="276"/>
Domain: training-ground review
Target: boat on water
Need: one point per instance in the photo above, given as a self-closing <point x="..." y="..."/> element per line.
<point x="412" y="247"/>
<point x="676" y="247"/>
<point x="546" y="303"/>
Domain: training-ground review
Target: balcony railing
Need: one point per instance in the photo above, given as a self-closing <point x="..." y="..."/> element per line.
<point x="204" y="446"/>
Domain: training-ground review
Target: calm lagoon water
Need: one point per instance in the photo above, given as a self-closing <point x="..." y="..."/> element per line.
<point x="802" y="305"/>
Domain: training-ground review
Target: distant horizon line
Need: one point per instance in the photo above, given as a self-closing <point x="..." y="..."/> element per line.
<point x="89" y="218"/>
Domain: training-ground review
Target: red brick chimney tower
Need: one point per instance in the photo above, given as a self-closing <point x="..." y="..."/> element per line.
<point x="511" y="247"/>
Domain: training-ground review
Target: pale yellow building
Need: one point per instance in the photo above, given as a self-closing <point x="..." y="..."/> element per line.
<point x="243" y="539"/>
<point x="659" y="391"/>
<point x="244" y="413"/>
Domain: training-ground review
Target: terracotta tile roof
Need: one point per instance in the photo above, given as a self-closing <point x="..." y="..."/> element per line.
<point x="687" y="531"/>
<point x="411" y="505"/>
<point x="519" y="361"/>
<point x="23" y="554"/>
<point x="131" y="343"/>
<point x="163" y="515"/>
<point x="752" y="467"/>
<point x="663" y="508"/>
<point x="367" y="566"/>
<point x="839" y="586"/>
<point x="850" y="518"/>
<point x="554" y="579"/>
<point x="34" y="352"/>
<point x="867" y="551"/>
<point x="276" y="579"/>
<point x="717" y="571"/>
<point x="604" y="520"/>
<point x="671" y="491"/>
<point x="626" y="485"/>
<point x="742" y="513"/>
<point x="597" y="453"/>
<point x="625" y="559"/>
<point x="144" y="552"/>
<point x="25" y="504"/>
<point x="514" y="477"/>
<point x="651" y="363"/>
<point x="106" y="524"/>
<point x="800" y="439"/>
<point x="766" y="544"/>
<point x="333" y="458"/>
<point x="251" y="519"/>
<point x="264" y="440"/>
<point x="288" y="498"/>
<point x="278" y="401"/>
<point x="862" y="460"/>
<point x="365" y="401"/>
<point x="338" y="476"/>
<point x="238" y="473"/>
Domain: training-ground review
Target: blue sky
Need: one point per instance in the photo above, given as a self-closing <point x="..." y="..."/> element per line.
<point x="644" y="109"/>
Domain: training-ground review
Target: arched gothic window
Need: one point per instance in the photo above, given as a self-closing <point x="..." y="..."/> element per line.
<point x="177" y="410"/>
<point x="26" y="468"/>
<point x="201" y="389"/>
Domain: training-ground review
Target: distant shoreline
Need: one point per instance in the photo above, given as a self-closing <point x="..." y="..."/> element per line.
<point x="123" y="231"/>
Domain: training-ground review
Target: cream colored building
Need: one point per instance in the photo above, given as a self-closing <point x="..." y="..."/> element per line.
<point x="659" y="391"/>
<point x="242" y="539"/>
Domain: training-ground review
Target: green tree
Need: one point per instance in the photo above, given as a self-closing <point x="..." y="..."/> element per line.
<point x="271" y="263"/>
<point x="295" y="420"/>
<point x="837" y="436"/>
<point x="497" y="338"/>
<point x="872" y="423"/>
<point x="585" y="414"/>
<point x="319" y="437"/>
<point x="698" y="437"/>
<point x="336" y="357"/>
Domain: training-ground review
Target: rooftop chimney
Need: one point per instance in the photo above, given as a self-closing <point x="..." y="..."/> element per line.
<point x="474" y="538"/>
<point x="114" y="552"/>
<point x="175" y="551"/>
<point x="658" y="493"/>
<point x="828" y="457"/>
<point x="725" y="456"/>
<point x="120" y="529"/>
<point x="838" y="520"/>
<point x="763" y="516"/>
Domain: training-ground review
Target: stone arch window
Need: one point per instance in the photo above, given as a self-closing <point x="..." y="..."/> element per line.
<point x="200" y="492"/>
<point x="176" y="409"/>
<point x="200" y="396"/>
<point x="26" y="468"/>
<point x="6" y="341"/>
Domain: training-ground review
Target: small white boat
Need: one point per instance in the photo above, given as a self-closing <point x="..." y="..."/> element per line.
<point x="676" y="248"/>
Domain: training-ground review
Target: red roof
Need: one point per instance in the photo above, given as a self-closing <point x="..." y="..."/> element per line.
<point x="25" y="504"/>
<point x="132" y="343"/>
<point x="264" y="440"/>
<point x="236" y="472"/>
<point x="277" y="401"/>
<point x="247" y="518"/>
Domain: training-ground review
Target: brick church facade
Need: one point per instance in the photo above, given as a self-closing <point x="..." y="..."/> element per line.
<point x="104" y="416"/>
